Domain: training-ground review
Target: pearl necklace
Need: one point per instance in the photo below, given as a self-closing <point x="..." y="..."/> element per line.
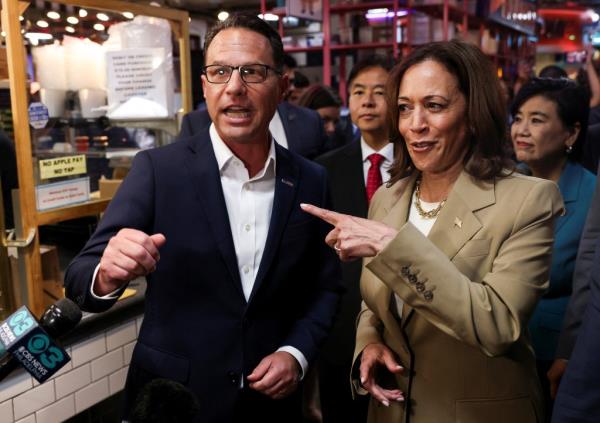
<point x="425" y="214"/>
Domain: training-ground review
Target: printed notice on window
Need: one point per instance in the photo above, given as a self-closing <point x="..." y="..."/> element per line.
<point x="137" y="83"/>
<point x="60" y="194"/>
<point x="62" y="166"/>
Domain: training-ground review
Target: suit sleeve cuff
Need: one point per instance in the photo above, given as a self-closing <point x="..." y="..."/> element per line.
<point x="299" y="358"/>
<point x="110" y="296"/>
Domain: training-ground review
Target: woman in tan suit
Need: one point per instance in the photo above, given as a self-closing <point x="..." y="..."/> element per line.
<point x="458" y="253"/>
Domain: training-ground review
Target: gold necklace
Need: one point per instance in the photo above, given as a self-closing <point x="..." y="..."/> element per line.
<point x="425" y="214"/>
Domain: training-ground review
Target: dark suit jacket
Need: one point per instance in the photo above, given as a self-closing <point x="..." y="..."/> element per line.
<point x="581" y="279"/>
<point x="578" y="398"/>
<point x="198" y="328"/>
<point x="346" y="180"/>
<point x="303" y="128"/>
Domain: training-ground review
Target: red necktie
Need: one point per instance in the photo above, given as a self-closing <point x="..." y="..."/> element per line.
<point x="374" y="174"/>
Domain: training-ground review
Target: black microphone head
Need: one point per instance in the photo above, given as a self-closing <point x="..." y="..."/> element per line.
<point x="60" y="317"/>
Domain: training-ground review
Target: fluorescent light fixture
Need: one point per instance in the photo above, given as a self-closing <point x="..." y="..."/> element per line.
<point x="99" y="27"/>
<point x="42" y="23"/>
<point x="102" y="17"/>
<point x="73" y="20"/>
<point x="128" y="15"/>
<point x="384" y="13"/>
<point x="291" y="20"/>
<point x="69" y="29"/>
<point x="269" y="17"/>
<point x="53" y="15"/>
<point x="82" y="13"/>
<point x="222" y="15"/>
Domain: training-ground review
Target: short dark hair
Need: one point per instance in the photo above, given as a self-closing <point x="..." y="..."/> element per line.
<point x="553" y="71"/>
<point x="252" y="23"/>
<point x="289" y="61"/>
<point x="372" y="61"/>
<point x="488" y="156"/>
<point x="572" y="104"/>
<point x="300" y="80"/>
<point x="319" y="96"/>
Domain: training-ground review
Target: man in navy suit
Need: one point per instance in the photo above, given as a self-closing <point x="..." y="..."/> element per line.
<point x="241" y="288"/>
<point x="296" y="128"/>
<point x="578" y="398"/>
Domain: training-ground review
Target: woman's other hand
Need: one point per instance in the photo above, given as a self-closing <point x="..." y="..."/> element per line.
<point x="374" y="356"/>
<point x="353" y="237"/>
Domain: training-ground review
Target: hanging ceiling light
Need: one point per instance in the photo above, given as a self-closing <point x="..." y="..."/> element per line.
<point x="53" y="15"/>
<point x="222" y="15"/>
<point x="102" y="17"/>
<point x="42" y="23"/>
<point x="128" y="15"/>
<point x="73" y="20"/>
<point x="99" y="27"/>
<point x="82" y="13"/>
<point x="69" y="29"/>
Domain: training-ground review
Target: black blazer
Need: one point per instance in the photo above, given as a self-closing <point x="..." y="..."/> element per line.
<point x="198" y="328"/>
<point x="303" y="128"/>
<point x="347" y="185"/>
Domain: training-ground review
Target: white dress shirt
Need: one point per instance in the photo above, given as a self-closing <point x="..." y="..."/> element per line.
<point x="388" y="158"/>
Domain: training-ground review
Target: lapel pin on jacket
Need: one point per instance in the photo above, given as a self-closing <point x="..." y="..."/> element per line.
<point x="457" y="222"/>
<point x="287" y="182"/>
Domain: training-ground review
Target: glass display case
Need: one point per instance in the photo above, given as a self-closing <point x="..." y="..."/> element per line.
<point x="91" y="83"/>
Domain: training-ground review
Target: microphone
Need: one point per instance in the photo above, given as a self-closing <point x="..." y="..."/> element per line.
<point x="25" y="341"/>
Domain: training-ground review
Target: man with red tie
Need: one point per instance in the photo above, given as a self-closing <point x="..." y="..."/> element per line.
<point x="355" y="172"/>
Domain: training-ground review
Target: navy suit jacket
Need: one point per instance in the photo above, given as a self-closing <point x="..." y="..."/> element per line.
<point x="303" y="128"/>
<point x="198" y="328"/>
<point x="576" y="186"/>
<point x="349" y="196"/>
<point x="578" y="398"/>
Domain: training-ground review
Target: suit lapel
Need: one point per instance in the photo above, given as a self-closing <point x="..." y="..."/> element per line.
<point x="354" y="187"/>
<point x="286" y="187"/>
<point x="205" y="177"/>
<point x="456" y="224"/>
<point x="288" y="117"/>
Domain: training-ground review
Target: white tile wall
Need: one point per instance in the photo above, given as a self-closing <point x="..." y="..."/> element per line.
<point x="120" y="335"/>
<point x="33" y="399"/>
<point x="72" y="381"/>
<point x="138" y="323"/>
<point x="72" y="389"/>
<point x="6" y="412"/>
<point x="116" y="381"/>
<point x="128" y="352"/>
<point x="57" y="412"/>
<point x="107" y="364"/>
<point x="91" y="394"/>
<point x="88" y="350"/>
<point x="15" y="384"/>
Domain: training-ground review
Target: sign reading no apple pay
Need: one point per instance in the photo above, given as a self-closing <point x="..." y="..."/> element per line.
<point x="62" y="166"/>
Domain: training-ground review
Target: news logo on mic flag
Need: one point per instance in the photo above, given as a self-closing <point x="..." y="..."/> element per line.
<point x="23" y="337"/>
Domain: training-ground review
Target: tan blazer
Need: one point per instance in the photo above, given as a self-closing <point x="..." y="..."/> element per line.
<point x="468" y="291"/>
